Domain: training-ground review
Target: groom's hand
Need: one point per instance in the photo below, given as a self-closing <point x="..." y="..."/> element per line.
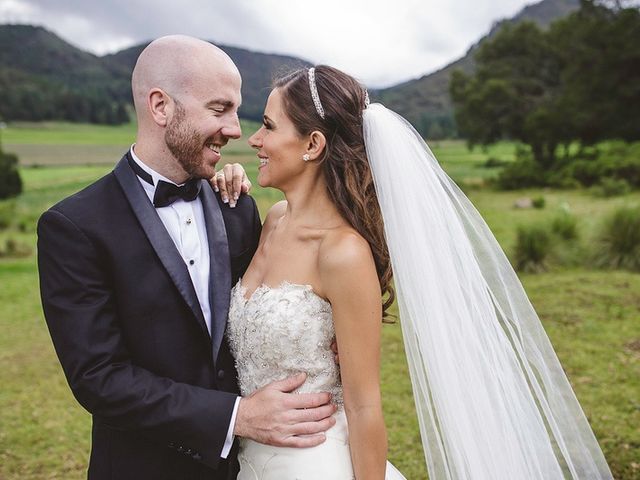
<point x="275" y="416"/>
<point x="231" y="182"/>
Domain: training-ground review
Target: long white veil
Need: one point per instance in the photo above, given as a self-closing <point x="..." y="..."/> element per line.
<point x="492" y="399"/>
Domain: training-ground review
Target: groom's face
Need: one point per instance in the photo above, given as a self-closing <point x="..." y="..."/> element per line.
<point x="204" y="118"/>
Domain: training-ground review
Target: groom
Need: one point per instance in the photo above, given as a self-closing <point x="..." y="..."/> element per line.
<point x="135" y="277"/>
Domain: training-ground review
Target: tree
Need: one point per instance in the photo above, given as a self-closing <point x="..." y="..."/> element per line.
<point x="512" y="92"/>
<point x="599" y="50"/>
<point x="578" y="81"/>
<point x="10" y="181"/>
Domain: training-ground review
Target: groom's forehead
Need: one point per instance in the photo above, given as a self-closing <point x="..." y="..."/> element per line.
<point x="215" y="86"/>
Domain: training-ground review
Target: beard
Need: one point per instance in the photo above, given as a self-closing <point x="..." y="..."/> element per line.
<point x="186" y="144"/>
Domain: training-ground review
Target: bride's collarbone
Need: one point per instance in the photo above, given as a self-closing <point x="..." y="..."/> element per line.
<point x="290" y="255"/>
<point x="283" y="262"/>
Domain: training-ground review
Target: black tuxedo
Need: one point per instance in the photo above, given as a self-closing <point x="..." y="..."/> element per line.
<point x="129" y="331"/>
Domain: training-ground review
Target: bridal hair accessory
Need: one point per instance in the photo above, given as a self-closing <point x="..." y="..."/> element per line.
<point x="306" y="157"/>
<point x="314" y="92"/>
<point x="492" y="400"/>
<point x="366" y="98"/>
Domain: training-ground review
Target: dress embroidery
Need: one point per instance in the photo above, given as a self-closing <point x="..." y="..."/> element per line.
<point x="282" y="331"/>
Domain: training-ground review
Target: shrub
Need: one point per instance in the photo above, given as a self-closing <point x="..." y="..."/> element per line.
<point x="538" y="202"/>
<point x="565" y="226"/>
<point x="14" y="249"/>
<point x="620" y="161"/>
<point x="533" y="247"/>
<point x="10" y="181"/>
<point x="611" y="187"/>
<point x="523" y="173"/>
<point x="493" y="162"/>
<point x="587" y="172"/>
<point x="7" y="211"/>
<point x="618" y="244"/>
<point x="563" y="179"/>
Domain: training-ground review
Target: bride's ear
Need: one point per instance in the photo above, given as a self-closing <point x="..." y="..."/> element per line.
<point x="315" y="146"/>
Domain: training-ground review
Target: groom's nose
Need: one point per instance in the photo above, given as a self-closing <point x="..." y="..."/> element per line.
<point x="231" y="129"/>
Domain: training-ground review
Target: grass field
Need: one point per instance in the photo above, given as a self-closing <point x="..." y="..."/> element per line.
<point x="592" y="318"/>
<point x="59" y="143"/>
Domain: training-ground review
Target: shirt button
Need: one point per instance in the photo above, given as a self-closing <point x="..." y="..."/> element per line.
<point x="191" y="262"/>
<point x="188" y="221"/>
<point x="220" y="374"/>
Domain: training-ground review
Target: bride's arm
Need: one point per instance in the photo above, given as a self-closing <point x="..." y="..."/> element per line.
<point x="350" y="282"/>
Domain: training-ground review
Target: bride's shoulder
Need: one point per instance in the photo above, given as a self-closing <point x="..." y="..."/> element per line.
<point x="344" y="249"/>
<point x="274" y="213"/>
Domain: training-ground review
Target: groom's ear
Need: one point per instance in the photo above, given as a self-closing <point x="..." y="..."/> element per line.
<point x="158" y="102"/>
<point x="316" y="145"/>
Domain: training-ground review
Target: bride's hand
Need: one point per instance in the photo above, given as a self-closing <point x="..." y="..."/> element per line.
<point x="231" y="181"/>
<point x="275" y="416"/>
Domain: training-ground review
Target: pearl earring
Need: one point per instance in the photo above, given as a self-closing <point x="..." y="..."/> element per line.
<point x="306" y="157"/>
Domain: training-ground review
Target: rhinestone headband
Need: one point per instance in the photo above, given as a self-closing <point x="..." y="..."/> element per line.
<point x="314" y="92"/>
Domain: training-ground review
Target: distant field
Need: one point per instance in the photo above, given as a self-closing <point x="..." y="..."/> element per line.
<point x="62" y="143"/>
<point x="592" y="318"/>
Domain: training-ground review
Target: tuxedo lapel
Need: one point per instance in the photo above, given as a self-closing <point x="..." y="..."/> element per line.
<point x="220" y="272"/>
<point x="159" y="237"/>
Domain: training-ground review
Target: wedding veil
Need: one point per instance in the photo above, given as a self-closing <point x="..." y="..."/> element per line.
<point x="492" y="399"/>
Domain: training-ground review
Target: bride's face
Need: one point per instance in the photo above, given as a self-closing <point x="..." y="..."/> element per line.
<point x="280" y="146"/>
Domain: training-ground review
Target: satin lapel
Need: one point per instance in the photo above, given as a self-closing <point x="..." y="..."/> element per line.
<point x="159" y="237"/>
<point x="220" y="273"/>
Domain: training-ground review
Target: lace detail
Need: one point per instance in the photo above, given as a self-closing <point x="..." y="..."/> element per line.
<point x="282" y="331"/>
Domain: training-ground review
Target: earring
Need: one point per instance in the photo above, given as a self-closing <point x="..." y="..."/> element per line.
<point x="306" y="157"/>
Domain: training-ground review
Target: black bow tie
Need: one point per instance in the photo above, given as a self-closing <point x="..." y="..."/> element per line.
<point x="167" y="193"/>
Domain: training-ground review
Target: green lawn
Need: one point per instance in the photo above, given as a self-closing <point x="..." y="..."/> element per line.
<point x="592" y="318"/>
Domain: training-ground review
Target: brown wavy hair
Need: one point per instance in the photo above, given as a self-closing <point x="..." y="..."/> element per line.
<point x="344" y="161"/>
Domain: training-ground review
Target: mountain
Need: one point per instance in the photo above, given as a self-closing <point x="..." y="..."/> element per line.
<point x="425" y="101"/>
<point x="43" y="77"/>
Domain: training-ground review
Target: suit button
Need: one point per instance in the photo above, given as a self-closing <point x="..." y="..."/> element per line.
<point x="220" y="374"/>
<point x="181" y="449"/>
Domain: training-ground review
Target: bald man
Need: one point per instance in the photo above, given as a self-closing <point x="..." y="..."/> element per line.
<point x="135" y="276"/>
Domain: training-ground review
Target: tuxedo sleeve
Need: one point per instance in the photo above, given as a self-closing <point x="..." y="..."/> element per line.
<point x="81" y="314"/>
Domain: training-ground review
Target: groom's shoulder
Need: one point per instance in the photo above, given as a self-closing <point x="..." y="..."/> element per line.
<point x="246" y="207"/>
<point x="92" y="197"/>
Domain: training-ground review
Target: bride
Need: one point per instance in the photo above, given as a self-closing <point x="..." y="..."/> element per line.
<point x="365" y="197"/>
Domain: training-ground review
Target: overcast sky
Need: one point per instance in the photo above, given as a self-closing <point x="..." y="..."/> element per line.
<point x="382" y="42"/>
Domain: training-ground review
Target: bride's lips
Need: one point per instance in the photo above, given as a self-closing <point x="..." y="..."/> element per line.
<point x="263" y="161"/>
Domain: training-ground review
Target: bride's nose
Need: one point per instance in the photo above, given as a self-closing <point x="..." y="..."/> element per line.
<point x="255" y="140"/>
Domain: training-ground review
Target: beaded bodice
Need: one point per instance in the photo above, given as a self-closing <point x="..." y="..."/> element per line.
<point x="282" y="331"/>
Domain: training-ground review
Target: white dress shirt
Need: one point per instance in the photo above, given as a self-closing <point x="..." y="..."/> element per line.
<point x="184" y="222"/>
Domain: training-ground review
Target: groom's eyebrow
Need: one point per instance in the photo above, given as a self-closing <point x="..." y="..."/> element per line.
<point x="220" y="102"/>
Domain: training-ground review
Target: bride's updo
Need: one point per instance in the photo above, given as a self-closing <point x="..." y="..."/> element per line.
<point x="344" y="161"/>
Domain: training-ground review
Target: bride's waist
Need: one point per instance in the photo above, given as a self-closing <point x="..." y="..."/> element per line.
<point x="339" y="434"/>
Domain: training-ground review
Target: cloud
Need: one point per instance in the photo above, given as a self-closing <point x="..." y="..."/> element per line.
<point x="382" y="42"/>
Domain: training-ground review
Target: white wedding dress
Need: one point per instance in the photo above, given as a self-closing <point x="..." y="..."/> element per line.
<point x="279" y="332"/>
